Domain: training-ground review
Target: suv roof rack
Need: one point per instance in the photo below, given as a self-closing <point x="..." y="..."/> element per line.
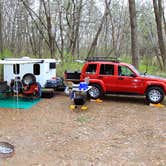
<point x="102" y="58"/>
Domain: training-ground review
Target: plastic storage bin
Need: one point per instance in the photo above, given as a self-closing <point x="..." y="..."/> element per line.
<point x="83" y="86"/>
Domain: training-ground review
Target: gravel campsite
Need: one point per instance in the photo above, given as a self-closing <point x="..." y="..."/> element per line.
<point x="118" y="131"/>
<point x="82" y="82"/>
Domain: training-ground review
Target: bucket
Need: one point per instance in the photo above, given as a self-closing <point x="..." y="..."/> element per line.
<point x="80" y="100"/>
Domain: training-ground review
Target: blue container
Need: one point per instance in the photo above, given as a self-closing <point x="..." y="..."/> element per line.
<point x="83" y="86"/>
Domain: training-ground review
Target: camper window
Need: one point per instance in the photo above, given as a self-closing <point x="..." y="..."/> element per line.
<point x="52" y="65"/>
<point x="36" y="69"/>
<point x="16" y="69"/>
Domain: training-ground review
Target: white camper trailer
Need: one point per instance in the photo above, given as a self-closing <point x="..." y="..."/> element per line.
<point x="43" y="69"/>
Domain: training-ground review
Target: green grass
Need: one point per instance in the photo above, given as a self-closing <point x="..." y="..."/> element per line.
<point x="68" y="64"/>
<point x="6" y="54"/>
<point x="125" y="59"/>
<point x="152" y="69"/>
<point x="83" y="119"/>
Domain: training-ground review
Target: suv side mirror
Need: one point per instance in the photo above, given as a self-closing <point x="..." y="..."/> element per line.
<point x="133" y="75"/>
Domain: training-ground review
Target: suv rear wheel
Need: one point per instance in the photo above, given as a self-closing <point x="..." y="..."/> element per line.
<point x="95" y="92"/>
<point x="155" y="95"/>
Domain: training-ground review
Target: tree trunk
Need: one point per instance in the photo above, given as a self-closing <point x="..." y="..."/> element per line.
<point x="134" y="39"/>
<point x="39" y="47"/>
<point x="1" y="37"/>
<point x="61" y="48"/>
<point x="113" y="35"/>
<point x="164" y="19"/>
<point x="49" y="28"/>
<point x="94" y="42"/>
<point x="77" y="26"/>
<point x="158" y="16"/>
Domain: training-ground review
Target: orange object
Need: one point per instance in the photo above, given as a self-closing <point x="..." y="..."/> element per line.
<point x="84" y="108"/>
<point x="157" y="105"/>
<point x="97" y="100"/>
<point x="73" y="107"/>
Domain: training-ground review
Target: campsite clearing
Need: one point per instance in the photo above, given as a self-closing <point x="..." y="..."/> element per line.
<point x="118" y="131"/>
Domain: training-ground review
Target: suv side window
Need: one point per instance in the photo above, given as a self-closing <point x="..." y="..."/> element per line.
<point x="124" y="71"/>
<point x="106" y="69"/>
<point x="91" y="69"/>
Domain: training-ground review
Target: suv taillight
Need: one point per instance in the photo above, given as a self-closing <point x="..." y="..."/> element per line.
<point x="65" y="74"/>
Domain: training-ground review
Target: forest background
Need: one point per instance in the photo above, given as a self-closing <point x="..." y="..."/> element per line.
<point x="133" y="30"/>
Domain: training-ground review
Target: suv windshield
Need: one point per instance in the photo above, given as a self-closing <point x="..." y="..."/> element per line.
<point x="134" y="70"/>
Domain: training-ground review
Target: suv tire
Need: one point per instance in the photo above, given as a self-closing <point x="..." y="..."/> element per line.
<point x="95" y="92"/>
<point x="154" y="95"/>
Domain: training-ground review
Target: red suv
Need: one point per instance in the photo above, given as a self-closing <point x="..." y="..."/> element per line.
<point x="121" y="78"/>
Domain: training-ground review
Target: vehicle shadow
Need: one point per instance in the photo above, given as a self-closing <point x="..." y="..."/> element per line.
<point x="126" y="99"/>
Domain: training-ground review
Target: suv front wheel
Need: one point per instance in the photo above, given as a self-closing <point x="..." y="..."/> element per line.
<point x="155" y="95"/>
<point x="95" y="92"/>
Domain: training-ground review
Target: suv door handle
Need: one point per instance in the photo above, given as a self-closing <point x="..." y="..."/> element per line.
<point x="100" y="76"/>
<point x="120" y="78"/>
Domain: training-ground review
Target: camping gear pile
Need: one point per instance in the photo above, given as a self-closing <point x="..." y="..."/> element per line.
<point x="78" y="93"/>
<point x="31" y="88"/>
<point x="27" y="87"/>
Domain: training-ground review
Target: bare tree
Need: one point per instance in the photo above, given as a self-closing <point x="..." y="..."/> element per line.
<point x="1" y="37"/>
<point x="77" y="25"/>
<point x="49" y="26"/>
<point x="164" y="19"/>
<point x="157" y="4"/>
<point x="73" y="28"/>
<point x="134" y="39"/>
<point x="73" y="19"/>
<point x="94" y="42"/>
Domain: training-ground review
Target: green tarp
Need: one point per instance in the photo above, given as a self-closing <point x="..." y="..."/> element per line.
<point x="18" y="102"/>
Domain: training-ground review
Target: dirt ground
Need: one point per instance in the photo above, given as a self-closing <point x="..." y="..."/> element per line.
<point x="120" y="131"/>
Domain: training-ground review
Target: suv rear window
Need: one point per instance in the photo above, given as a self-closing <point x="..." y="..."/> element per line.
<point x="91" y="69"/>
<point x="107" y="69"/>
